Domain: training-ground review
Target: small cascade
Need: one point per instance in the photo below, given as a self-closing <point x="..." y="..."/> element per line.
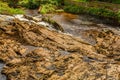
<point x="81" y="25"/>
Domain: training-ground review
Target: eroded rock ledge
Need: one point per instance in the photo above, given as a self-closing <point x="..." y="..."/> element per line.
<point x="56" y="56"/>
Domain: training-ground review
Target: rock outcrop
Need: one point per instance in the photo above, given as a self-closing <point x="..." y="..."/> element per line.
<point x="55" y="55"/>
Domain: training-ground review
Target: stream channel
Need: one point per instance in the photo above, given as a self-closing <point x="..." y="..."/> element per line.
<point x="76" y="25"/>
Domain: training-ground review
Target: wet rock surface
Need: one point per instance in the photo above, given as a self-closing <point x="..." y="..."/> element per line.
<point x="2" y="77"/>
<point x="34" y="52"/>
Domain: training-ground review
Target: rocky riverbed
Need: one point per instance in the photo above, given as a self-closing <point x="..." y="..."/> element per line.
<point x="33" y="49"/>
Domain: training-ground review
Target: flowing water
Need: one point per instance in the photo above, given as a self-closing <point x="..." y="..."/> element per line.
<point x="79" y="25"/>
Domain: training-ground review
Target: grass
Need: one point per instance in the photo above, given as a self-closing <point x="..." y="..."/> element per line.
<point x="116" y="1"/>
<point x="81" y="0"/>
<point x="5" y="9"/>
<point x="30" y="4"/>
<point x="112" y="1"/>
<point x="105" y="10"/>
<point x="90" y="10"/>
<point x="47" y="8"/>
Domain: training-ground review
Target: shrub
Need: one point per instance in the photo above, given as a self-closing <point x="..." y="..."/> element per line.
<point x="13" y="3"/>
<point x="5" y="9"/>
<point x="90" y="10"/>
<point x="47" y="8"/>
<point x="74" y="9"/>
<point x="53" y="2"/>
<point x="111" y="1"/>
<point x="107" y="13"/>
<point x="81" y="0"/>
<point x="118" y="15"/>
<point x="31" y="4"/>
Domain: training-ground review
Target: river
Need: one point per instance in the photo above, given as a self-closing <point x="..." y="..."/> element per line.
<point x="82" y="26"/>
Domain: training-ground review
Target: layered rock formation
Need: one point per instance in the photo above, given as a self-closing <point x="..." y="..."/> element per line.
<point x="34" y="52"/>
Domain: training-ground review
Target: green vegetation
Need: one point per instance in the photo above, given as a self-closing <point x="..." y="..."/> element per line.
<point x="111" y="1"/>
<point x="30" y="4"/>
<point x="45" y="6"/>
<point x="90" y="10"/>
<point x="98" y="9"/>
<point x="92" y="7"/>
<point x="49" y="6"/>
<point x="81" y="0"/>
<point x="5" y="9"/>
<point x="13" y="3"/>
<point x="116" y="1"/>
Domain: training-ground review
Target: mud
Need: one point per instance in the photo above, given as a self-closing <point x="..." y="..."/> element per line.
<point x="34" y="52"/>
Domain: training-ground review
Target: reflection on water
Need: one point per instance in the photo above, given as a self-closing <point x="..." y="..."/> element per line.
<point x="2" y="77"/>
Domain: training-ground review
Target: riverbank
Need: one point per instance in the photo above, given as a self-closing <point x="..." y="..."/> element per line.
<point x="107" y="11"/>
<point x="101" y="10"/>
<point x="59" y="46"/>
